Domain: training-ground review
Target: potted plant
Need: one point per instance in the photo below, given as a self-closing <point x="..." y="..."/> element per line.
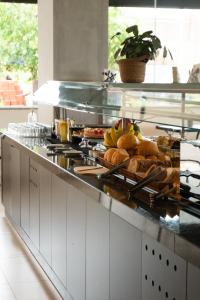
<point x="135" y="51"/>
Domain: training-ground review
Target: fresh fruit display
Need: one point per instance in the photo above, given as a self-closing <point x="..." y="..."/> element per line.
<point x="117" y="136"/>
<point x="144" y="156"/>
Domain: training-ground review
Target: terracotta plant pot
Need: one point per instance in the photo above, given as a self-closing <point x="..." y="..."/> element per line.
<point x="132" y="70"/>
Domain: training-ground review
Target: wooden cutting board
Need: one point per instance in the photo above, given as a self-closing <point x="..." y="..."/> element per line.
<point x="90" y="170"/>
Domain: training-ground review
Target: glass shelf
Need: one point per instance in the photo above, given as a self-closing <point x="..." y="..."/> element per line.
<point x="166" y="104"/>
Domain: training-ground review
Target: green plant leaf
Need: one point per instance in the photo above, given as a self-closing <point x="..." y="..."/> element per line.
<point x="146" y="34"/>
<point x="164" y="52"/>
<point x="127" y="40"/>
<point x="133" y="29"/>
<point x="170" y="54"/>
<point x="124" y="50"/>
<point x="156" y="42"/>
<point x="117" y="34"/>
<point x="117" y="53"/>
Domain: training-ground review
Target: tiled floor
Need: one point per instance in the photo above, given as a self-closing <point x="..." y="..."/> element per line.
<point x="21" y="278"/>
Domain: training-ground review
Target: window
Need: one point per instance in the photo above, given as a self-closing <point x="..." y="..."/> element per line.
<point x="177" y="29"/>
<point x="19" y="49"/>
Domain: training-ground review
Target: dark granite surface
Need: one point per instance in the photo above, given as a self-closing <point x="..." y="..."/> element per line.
<point x="166" y="216"/>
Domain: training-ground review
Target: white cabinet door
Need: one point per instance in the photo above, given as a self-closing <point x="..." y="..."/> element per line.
<point x="34" y="203"/>
<point x="45" y="214"/>
<point x="6" y="180"/>
<point x="76" y="226"/>
<point x="193" y="283"/>
<point x="24" y="186"/>
<point x="163" y="272"/>
<point x="34" y="213"/>
<point x="15" y="183"/>
<point x="59" y="228"/>
<point x="125" y="260"/>
<point x="97" y="252"/>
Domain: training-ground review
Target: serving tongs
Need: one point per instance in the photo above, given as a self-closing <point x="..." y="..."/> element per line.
<point x="185" y="204"/>
<point x="158" y="173"/>
<point x="114" y="169"/>
<point x="185" y="192"/>
<point x="162" y="195"/>
<point x="188" y="173"/>
<point x="182" y="202"/>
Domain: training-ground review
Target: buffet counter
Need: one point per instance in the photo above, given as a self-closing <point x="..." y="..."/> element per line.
<point x="103" y="209"/>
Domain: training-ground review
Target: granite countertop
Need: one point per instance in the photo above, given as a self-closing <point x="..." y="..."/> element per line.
<point x="169" y="224"/>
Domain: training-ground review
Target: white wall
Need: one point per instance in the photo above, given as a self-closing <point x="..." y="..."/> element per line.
<point x="13" y="116"/>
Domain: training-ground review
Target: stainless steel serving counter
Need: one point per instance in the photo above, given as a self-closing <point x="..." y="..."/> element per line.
<point x="170" y="225"/>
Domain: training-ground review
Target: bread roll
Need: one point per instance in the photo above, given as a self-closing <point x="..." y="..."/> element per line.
<point x="143" y="165"/>
<point x="169" y="175"/>
<point x="173" y="175"/>
<point x="163" y="140"/>
<point x="146" y="148"/>
<point x="119" y="156"/>
<point x="127" y="141"/>
<point x="139" y="165"/>
<point x="133" y="165"/>
<point x="109" y="153"/>
<point x="151" y="169"/>
<point x="138" y="157"/>
<point x="163" y="157"/>
<point x="153" y="157"/>
<point x="132" y="152"/>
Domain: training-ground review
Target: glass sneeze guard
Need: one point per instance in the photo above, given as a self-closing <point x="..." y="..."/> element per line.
<point x="167" y="104"/>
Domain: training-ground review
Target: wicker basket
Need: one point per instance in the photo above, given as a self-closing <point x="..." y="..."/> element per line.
<point x="132" y="70"/>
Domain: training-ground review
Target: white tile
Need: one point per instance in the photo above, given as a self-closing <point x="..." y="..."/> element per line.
<point x="4" y="226"/>
<point x="6" y="293"/>
<point x="3" y="280"/>
<point x="35" y="291"/>
<point x="10" y="246"/>
<point x="21" y="269"/>
<point x="21" y="277"/>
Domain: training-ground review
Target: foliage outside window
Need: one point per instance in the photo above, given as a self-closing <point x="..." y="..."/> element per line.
<point x="18" y="40"/>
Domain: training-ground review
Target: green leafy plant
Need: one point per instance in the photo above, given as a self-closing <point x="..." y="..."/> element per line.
<point x="138" y="45"/>
<point x="19" y="39"/>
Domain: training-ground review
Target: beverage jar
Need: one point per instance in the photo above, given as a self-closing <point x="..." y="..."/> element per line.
<point x="63" y="128"/>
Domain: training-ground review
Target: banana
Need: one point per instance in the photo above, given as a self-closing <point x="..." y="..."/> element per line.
<point x="130" y="128"/>
<point x="119" y="132"/>
<point x="113" y="136"/>
<point x="139" y="136"/>
<point x="108" y="142"/>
